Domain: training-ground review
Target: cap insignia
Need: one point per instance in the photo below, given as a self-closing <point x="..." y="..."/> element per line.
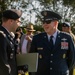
<point x="45" y="13"/>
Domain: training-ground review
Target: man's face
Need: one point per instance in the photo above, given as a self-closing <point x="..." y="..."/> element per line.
<point x="15" y="24"/>
<point x="49" y="27"/>
<point x="65" y="29"/>
<point x="29" y="32"/>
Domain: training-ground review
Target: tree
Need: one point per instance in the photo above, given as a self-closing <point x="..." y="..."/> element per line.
<point x="64" y="7"/>
<point x="3" y="6"/>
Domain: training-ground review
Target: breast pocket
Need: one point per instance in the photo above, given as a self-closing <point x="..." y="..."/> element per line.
<point x="40" y="51"/>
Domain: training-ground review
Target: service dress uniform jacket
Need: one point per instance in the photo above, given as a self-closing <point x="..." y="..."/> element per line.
<point x="7" y="53"/>
<point x="57" y="61"/>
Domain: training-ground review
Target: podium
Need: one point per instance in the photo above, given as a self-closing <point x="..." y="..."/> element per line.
<point x="28" y="59"/>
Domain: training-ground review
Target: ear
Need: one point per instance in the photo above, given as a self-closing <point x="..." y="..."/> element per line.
<point x="56" y="23"/>
<point x="11" y="21"/>
<point x="69" y="28"/>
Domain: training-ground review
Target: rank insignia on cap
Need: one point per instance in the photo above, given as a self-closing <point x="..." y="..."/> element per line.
<point x="45" y="13"/>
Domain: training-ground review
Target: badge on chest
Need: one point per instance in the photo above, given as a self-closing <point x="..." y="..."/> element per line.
<point x="64" y="44"/>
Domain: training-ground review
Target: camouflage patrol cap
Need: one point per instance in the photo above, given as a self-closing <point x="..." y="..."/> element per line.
<point x="12" y="14"/>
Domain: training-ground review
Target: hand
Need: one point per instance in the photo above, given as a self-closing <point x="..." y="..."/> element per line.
<point x="20" y="72"/>
<point x="28" y="38"/>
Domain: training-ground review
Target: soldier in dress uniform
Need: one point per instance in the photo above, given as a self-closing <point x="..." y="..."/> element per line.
<point x="55" y="48"/>
<point x="10" y="22"/>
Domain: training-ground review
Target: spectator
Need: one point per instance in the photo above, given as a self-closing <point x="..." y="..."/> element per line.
<point x="17" y="42"/>
<point x="26" y="39"/>
<point x="66" y="27"/>
<point x="20" y="31"/>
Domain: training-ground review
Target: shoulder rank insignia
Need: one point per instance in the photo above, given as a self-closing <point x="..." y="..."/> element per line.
<point x="3" y="33"/>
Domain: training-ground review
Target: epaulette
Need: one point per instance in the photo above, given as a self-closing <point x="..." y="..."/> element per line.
<point x="1" y="32"/>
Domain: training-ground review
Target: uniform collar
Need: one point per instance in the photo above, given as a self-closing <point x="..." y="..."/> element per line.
<point x="54" y="35"/>
<point x="6" y="32"/>
<point x="6" y="29"/>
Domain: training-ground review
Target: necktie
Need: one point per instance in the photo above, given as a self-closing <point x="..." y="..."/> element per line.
<point x="51" y="42"/>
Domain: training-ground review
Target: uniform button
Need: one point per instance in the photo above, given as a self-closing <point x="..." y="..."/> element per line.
<point x="11" y="55"/>
<point x="51" y="54"/>
<point x="51" y="61"/>
<point x="10" y="42"/>
<point x="51" y="68"/>
<point x="12" y="49"/>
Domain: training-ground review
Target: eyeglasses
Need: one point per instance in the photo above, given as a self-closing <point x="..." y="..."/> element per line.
<point x="47" y="22"/>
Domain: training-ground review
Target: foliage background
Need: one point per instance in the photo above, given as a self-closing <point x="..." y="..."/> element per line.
<point x="66" y="8"/>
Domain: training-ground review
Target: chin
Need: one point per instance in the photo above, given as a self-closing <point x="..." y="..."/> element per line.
<point x="47" y="31"/>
